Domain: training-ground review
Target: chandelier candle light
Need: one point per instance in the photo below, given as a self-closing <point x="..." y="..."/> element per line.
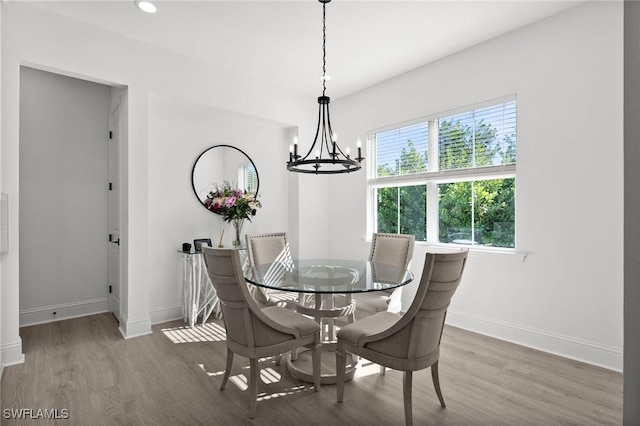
<point x="327" y="158"/>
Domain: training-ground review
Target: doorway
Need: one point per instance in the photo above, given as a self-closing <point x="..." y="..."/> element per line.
<point x="64" y="198"/>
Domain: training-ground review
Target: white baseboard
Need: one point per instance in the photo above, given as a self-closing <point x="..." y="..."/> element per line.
<point x="133" y="328"/>
<point x="63" y="311"/>
<point x="114" y="305"/>
<point x="166" y="314"/>
<point x="569" y="347"/>
<point x="11" y="354"/>
<point x="122" y="320"/>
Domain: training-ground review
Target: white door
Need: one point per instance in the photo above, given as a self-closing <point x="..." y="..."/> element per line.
<point x="114" y="212"/>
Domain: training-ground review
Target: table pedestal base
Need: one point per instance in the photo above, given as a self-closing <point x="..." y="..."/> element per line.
<point x="302" y="367"/>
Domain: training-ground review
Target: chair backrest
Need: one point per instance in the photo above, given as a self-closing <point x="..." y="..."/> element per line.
<point x="244" y="321"/>
<point x="267" y="248"/>
<point x="441" y="275"/>
<point x="416" y="335"/>
<point x="392" y="249"/>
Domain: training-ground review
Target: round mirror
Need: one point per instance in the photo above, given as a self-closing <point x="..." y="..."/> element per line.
<point x="220" y="164"/>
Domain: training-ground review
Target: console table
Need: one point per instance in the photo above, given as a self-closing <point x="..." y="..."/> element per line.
<point x="198" y="296"/>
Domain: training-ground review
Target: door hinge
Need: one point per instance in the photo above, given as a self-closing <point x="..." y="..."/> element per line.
<point x="109" y="289"/>
<point x="110" y="135"/>
<point x="110" y="237"/>
<point x="110" y="186"/>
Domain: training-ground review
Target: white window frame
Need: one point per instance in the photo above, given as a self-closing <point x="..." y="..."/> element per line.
<point x="434" y="177"/>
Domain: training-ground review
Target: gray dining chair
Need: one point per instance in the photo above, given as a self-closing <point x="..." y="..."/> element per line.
<point x="253" y="332"/>
<point x="390" y="249"/>
<point x="268" y="248"/>
<point x="408" y="342"/>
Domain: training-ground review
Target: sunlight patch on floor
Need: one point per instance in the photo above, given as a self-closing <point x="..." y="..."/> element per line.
<point x="269" y="375"/>
<point x="289" y="391"/>
<point x="210" y="373"/>
<point x="240" y="381"/>
<point x="367" y="368"/>
<point x="208" y="332"/>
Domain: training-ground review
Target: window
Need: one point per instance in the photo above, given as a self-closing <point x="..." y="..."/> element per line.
<point x="251" y="178"/>
<point x="449" y="178"/>
<point x="248" y="178"/>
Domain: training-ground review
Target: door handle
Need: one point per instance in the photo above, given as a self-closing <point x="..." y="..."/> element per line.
<point x="116" y="241"/>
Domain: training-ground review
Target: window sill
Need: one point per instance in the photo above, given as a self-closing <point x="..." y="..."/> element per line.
<point x="478" y="251"/>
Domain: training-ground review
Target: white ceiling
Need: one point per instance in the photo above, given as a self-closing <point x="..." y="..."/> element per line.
<point x="281" y="41"/>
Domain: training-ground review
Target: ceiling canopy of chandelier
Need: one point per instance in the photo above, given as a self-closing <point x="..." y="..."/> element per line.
<point x="324" y="156"/>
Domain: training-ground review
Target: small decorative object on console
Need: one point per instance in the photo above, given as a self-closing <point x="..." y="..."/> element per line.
<point x="197" y="244"/>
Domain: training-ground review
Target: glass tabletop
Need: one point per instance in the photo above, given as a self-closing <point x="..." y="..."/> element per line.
<point x="327" y="276"/>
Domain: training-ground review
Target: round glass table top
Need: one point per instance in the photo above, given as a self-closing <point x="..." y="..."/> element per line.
<point x="327" y="276"/>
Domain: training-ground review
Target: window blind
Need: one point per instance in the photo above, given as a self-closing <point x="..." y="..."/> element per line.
<point x="402" y="151"/>
<point x="477" y="138"/>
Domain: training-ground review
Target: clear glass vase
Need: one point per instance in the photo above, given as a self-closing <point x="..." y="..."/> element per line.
<point x="237" y="227"/>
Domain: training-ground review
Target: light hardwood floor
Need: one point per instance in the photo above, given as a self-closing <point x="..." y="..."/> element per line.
<point x="172" y="377"/>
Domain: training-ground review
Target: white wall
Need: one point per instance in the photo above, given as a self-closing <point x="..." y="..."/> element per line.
<point x="178" y="133"/>
<point x="64" y="126"/>
<point x="34" y="37"/>
<point x="566" y="295"/>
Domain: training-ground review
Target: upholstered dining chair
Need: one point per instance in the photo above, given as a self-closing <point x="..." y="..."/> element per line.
<point x="253" y="332"/>
<point x="408" y="342"/>
<point x="267" y="248"/>
<point x="390" y="249"/>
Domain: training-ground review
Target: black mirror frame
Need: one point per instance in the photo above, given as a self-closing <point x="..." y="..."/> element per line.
<point x="193" y="169"/>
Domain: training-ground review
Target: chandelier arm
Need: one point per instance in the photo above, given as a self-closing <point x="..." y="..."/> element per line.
<point x="315" y="139"/>
<point x="325" y="137"/>
<point x="334" y="144"/>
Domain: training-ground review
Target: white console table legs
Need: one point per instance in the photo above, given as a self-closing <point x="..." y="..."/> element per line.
<point x="199" y="297"/>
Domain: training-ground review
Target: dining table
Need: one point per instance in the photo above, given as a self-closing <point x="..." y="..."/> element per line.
<point x="325" y="287"/>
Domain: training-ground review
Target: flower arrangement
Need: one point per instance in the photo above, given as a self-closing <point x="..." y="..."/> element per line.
<point x="232" y="203"/>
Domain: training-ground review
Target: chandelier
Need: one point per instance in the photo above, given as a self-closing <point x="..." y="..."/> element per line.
<point x="324" y="156"/>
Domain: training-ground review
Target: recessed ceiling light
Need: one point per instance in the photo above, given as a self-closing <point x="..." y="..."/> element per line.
<point x="146" y="6"/>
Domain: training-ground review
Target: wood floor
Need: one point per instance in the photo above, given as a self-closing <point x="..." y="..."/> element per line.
<point x="172" y="377"/>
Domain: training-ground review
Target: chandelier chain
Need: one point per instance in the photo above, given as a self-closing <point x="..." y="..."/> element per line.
<point x="324" y="49"/>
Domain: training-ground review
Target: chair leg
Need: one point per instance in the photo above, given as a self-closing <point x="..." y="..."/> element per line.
<point x="228" y="369"/>
<point x="315" y="360"/>
<point x="253" y="386"/>
<point x="341" y="365"/>
<point x="436" y="383"/>
<point x="406" y="387"/>
<point x="382" y="370"/>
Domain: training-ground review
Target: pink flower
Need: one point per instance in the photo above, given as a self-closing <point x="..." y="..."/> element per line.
<point x="229" y="202"/>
